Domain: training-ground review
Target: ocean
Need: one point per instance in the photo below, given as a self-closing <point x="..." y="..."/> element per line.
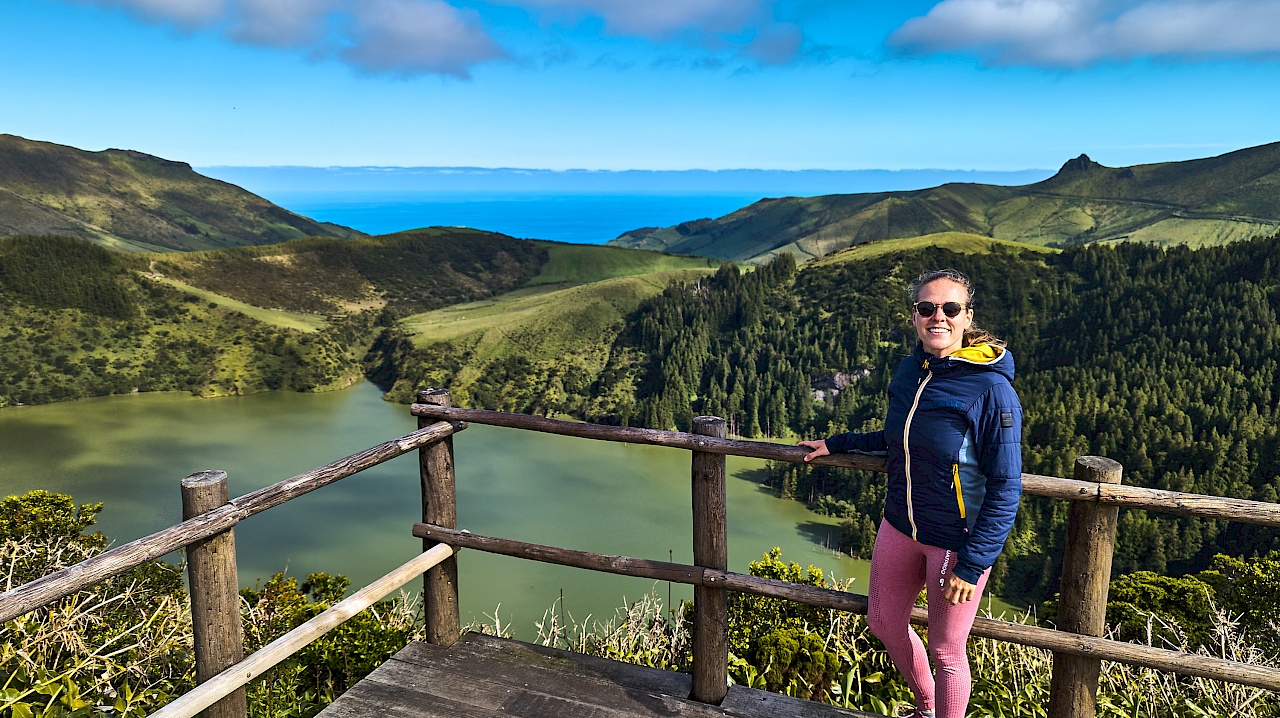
<point x="564" y="217"/>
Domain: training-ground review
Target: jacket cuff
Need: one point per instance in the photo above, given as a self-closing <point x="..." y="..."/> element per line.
<point x="968" y="572"/>
<point x="840" y="443"/>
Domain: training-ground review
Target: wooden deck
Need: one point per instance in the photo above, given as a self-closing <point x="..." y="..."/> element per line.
<point x="484" y="677"/>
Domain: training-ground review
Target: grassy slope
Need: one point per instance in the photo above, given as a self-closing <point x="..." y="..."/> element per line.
<point x="955" y="241"/>
<point x="585" y="263"/>
<point x="547" y="326"/>
<point x="410" y="271"/>
<point x="275" y="317"/>
<point x="131" y="201"/>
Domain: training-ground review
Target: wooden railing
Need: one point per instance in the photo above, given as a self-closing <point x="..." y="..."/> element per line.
<point x="207" y="534"/>
<point x="1078" y="648"/>
<point x="209" y="519"/>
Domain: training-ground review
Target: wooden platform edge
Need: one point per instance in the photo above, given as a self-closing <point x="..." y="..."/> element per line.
<point x="560" y="677"/>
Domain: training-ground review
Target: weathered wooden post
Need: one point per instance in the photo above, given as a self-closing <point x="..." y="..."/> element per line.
<point x="1082" y="596"/>
<point x="439" y="507"/>
<point x="711" y="550"/>
<point x="215" y="592"/>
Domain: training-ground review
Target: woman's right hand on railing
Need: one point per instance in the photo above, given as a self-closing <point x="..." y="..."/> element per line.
<point x="819" y="447"/>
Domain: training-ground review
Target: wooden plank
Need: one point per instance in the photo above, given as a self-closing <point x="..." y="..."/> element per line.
<point x="743" y="702"/>
<point x="627" y="674"/>
<point x="542" y="682"/>
<point x="374" y="698"/>
<point x="476" y="692"/>
<point x="550" y="674"/>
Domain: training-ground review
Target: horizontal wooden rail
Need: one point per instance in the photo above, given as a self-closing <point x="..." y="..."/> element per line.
<point x="1190" y="664"/>
<point x="654" y="437"/>
<point x="32" y="595"/>
<point x="266" y="658"/>
<point x="1173" y="502"/>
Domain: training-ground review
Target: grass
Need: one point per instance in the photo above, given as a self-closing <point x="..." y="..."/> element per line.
<point x="571" y="329"/>
<point x="959" y="242"/>
<point x="541" y="322"/>
<point x="586" y="263"/>
<point x="275" y="317"/>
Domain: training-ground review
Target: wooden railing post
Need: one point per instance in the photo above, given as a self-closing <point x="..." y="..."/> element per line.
<point x="1082" y="596"/>
<point x="710" y="550"/>
<point x="215" y="592"/>
<point x="439" y="507"/>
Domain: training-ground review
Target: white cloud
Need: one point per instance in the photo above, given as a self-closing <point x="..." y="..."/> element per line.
<point x="402" y="37"/>
<point x="281" y="23"/>
<point x="408" y="37"/>
<point x="1074" y="33"/>
<point x="415" y="36"/>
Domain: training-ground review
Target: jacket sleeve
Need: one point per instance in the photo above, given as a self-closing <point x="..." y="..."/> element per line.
<point x="868" y="443"/>
<point x="997" y="418"/>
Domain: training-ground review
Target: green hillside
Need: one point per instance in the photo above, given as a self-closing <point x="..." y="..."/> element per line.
<point x="585" y="263"/>
<point x="85" y="321"/>
<point x="537" y="349"/>
<point x="134" y="202"/>
<point x="78" y="320"/>
<point x="957" y="242"/>
<point x="407" y="272"/>
<point x="1197" y="203"/>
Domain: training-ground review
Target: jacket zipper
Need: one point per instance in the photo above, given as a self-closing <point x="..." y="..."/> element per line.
<point x="955" y="479"/>
<point x="906" y="449"/>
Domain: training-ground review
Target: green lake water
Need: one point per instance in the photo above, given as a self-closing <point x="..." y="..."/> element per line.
<point x="130" y="452"/>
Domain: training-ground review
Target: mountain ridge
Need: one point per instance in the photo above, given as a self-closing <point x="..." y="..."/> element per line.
<point x="1196" y="202"/>
<point x="132" y="201"/>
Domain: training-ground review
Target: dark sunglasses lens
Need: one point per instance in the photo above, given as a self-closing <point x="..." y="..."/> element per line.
<point x="951" y="309"/>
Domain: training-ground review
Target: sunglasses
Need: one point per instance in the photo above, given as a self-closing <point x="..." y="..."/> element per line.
<point x="951" y="309"/>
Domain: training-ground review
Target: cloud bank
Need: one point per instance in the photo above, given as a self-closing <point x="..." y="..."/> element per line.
<point x="1078" y="33"/>
<point x="411" y="37"/>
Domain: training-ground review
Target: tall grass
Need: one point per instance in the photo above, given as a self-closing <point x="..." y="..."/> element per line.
<point x="1009" y="680"/>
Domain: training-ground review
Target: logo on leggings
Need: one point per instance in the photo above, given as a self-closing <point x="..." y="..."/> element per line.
<point x="946" y="560"/>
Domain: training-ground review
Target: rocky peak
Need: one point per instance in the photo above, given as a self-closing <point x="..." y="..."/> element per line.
<point x="1079" y="164"/>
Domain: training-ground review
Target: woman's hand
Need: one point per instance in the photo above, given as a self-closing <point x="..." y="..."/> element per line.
<point x="819" y="447"/>
<point x="958" y="590"/>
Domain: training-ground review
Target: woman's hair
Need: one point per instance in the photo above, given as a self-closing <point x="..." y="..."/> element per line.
<point x="974" y="334"/>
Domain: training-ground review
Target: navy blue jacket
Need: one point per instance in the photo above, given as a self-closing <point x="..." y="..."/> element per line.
<point x="953" y="439"/>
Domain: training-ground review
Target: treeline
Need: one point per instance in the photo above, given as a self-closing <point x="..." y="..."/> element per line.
<point x="78" y="321"/>
<point x="1163" y="359"/>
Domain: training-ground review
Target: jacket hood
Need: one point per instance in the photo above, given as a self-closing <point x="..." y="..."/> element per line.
<point x="991" y="357"/>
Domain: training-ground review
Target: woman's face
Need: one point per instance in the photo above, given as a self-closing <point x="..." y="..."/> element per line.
<point x="940" y="334"/>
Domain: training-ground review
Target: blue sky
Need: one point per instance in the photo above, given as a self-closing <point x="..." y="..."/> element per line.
<point x="645" y="84"/>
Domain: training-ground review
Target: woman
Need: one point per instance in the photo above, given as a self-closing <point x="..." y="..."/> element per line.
<point x="954" y="457"/>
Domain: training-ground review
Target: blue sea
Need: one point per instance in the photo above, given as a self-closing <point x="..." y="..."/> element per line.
<point x="564" y="217"/>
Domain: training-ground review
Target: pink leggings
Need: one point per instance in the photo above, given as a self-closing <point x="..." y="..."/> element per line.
<point x="900" y="567"/>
